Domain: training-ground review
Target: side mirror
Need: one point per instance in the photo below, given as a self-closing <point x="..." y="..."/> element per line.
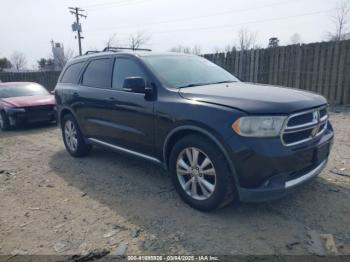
<point x="135" y="84"/>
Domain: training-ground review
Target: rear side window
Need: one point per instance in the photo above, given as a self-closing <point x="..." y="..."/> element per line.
<point x="125" y="68"/>
<point x="71" y="75"/>
<point x="98" y="73"/>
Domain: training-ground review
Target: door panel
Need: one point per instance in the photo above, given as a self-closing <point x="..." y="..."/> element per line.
<point x="116" y="116"/>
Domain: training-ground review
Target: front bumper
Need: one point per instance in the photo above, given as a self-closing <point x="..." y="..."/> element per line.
<point x="271" y="191"/>
<point x="268" y="170"/>
<point x="31" y="115"/>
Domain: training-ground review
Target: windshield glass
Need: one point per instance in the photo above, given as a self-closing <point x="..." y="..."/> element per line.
<point x="13" y="90"/>
<point x="185" y="71"/>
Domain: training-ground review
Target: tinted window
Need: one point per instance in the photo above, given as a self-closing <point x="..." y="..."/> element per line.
<point x="16" y="90"/>
<point x="124" y="68"/>
<point x="71" y="75"/>
<point x="98" y="73"/>
<point x="184" y="70"/>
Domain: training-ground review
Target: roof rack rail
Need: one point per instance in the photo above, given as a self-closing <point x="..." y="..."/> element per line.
<point x="115" y="49"/>
<point x="91" y="52"/>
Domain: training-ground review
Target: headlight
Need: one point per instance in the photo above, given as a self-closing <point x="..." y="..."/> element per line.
<point x="259" y="126"/>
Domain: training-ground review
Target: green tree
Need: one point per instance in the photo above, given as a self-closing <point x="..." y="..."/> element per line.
<point x="4" y="63"/>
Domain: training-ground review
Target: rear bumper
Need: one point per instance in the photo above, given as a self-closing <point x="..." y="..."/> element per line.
<point x="271" y="190"/>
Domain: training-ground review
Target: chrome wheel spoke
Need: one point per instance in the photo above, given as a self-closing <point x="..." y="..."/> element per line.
<point x="209" y="172"/>
<point x="184" y="172"/>
<point x="188" y="184"/>
<point x="205" y="163"/>
<point x="210" y="187"/>
<point x="189" y="155"/>
<point x="74" y="142"/>
<point x="204" y="190"/>
<point x="183" y="164"/>
<point x="194" y="187"/>
<point x="195" y="154"/>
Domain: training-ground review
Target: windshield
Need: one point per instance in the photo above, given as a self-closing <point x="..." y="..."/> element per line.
<point x="13" y="90"/>
<point x="185" y="71"/>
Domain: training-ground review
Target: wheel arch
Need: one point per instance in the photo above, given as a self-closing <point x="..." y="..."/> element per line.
<point x="182" y="131"/>
<point x="64" y="111"/>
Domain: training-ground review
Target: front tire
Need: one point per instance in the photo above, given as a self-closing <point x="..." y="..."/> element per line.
<point x="200" y="173"/>
<point x="4" y="121"/>
<point x="73" y="138"/>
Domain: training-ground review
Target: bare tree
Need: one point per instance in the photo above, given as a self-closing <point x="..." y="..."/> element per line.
<point x="18" y="60"/>
<point x="180" y="49"/>
<point x="246" y="39"/>
<point x="196" y="49"/>
<point x="63" y="58"/>
<point x="229" y="48"/>
<point x="295" y="39"/>
<point x="111" y="41"/>
<point x="341" y="21"/>
<point x="138" y="40"/>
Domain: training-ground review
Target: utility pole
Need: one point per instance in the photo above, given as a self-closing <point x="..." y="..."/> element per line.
<point x="76" y="26"/>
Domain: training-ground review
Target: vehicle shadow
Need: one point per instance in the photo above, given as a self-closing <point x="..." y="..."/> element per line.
<point x="142" y="193"/>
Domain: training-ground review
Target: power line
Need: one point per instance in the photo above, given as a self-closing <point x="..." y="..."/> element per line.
<point x="77" y="26"/>
<point x="241" y="24"/>
<point x="206" y="16"/>
<point x="120" y="3"/>
<point x="246" y="23"/>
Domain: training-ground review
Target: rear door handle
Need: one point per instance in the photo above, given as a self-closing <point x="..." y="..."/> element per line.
<point x="75" y="94"/>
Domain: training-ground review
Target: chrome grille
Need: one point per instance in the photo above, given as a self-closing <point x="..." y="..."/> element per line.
<point x="304" y="126"/>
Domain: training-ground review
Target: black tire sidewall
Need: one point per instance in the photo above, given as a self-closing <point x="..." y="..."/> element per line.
<point x="223" y="181"/>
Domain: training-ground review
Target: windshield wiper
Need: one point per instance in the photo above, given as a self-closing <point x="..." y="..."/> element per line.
<point x="222" y="82"/>
<point x="204" y="84"/>
<point x="191" y="85"/>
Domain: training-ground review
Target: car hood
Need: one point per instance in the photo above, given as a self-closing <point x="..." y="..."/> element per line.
<point x="28" y="101"/>
<point x="254" y="98"/>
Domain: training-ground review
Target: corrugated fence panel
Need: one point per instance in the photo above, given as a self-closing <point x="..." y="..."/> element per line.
<point x="323" y="68"/>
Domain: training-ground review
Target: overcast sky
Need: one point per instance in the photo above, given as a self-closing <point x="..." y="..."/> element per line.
<point x="29" y="25"/>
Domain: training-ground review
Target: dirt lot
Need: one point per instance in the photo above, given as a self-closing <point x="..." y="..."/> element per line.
<point x="51" y="203"/>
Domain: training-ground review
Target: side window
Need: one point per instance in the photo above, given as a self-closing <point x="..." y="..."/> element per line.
<point x="98" y="73"/>
<point x="125" y="68"/>
<point x="71" y="75"/>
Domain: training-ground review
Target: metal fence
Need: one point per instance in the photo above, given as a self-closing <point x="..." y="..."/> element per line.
<point x="319" y="67"/>
<point x="45" y="78"/>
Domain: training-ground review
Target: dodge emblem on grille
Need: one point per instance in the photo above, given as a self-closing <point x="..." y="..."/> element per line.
<point x="316" y="118"/>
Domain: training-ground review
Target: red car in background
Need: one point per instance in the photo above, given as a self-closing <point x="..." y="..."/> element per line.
<point x="25" y="102"/>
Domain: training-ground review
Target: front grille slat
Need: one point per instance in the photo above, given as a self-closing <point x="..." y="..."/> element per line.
<point x="304" y="126"/>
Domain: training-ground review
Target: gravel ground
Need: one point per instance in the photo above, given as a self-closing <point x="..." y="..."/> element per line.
<point x="51" y="203"/>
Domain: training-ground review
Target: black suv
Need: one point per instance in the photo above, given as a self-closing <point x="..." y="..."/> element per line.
<point x="221" y="139"/>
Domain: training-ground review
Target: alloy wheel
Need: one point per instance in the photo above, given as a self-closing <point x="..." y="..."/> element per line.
<point x="70" y="134"/>
<point x="196" y="173"/>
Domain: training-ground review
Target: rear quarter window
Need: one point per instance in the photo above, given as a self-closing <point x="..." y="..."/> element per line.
<point x="72" y="73"/>
<point x="98" y="73"/>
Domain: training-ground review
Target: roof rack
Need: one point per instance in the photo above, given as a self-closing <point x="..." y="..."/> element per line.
<point x="116" y="49"/>
<point x="91" y="52"/>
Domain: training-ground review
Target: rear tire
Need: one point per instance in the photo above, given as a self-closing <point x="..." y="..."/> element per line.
<point x="73" y="138"/>
<point x="200" y="173"/>
<point x="4" y="121"/>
